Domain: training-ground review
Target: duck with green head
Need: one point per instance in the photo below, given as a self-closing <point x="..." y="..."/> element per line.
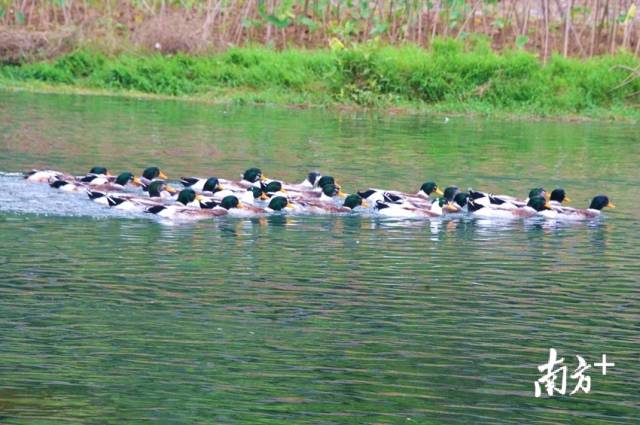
<point x="598" y="203"/>
<point x="211" y="184"/>
<point x="535" y="205"/>
<point x="160" y="189"/>
<point x="152" y="173"/>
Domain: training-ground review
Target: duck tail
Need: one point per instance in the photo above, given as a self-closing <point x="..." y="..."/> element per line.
<point x="155" y="209"/>
<point x="57" y="184"/>
<point x="188" y="181"/>
<point x="93" y="194"/>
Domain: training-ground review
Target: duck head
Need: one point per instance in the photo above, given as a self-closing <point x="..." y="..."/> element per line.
<point x="450" y="192"/>
<point x="186" y="196"/>
<point x="601" y="201"/>
<point x="325" y="180"/>
<point x="539" y="203"/>
<point x="559" y="196"/>
<point x="229" y="202"/>
<point x="253" y="175"/>
<point x="278" y="203"/>
<point x="99" y="170"/>
<point x="272" y="187"/>
<point x="212" y="185"/>
<point x="538" y="191"/>
<point x="158" y="186"/>
<point x="313" y="178"/>
<point x="460" y="200"/>
<point x="430" y="187"/>
<point x="332" y="190"/>
<point x="353" y="201"/>
<point x="152" y="173"/>
<point x="124" y="178"/>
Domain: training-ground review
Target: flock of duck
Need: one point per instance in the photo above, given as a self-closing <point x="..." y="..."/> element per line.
<point x="255" y="195"/>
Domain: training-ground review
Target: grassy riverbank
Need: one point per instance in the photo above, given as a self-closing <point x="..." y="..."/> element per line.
<point x="446" y="78"/>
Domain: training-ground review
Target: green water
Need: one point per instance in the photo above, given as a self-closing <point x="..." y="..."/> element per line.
<point x="114" y="319"/>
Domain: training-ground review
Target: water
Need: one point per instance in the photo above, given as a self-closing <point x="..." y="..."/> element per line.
<point x="112" y="318"/>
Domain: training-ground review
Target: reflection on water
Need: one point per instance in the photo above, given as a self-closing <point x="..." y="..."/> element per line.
<point x="112" y="318"/>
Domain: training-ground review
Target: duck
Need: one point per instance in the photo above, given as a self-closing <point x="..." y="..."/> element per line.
<point x="558" y="197"/>
<point x="124" y="181"/>
<point x="311" y="181"/>
<point x="404" y="211"/>
<point x="181" y="212"/>
<point x="235" y="208"/>
<point x="375" y="195"/>
<point x="489" y="199"/>
<point x="45" y="176"/>
<point x="211" y="184"/>
<point x="536" y="205"/>
<point x="598" y="203"/>
<point x="353" y="202"/>
<point x="274" y="187"/>
<point x="189" y="198"/>
<point x="278" y="204"/>
<point x="160" y="189"/>
<point x="150" y="174"/>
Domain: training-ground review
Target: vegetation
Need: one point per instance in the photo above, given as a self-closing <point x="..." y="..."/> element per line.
<point x="446" y="77"/>
<point x="570" y="27"/>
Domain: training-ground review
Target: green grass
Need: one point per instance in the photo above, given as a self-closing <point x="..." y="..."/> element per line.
<point x="446" y="78"/>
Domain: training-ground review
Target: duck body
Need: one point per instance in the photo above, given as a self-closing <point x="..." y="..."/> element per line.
<point x="401" y="211"/>
<point x="45" y="176"/>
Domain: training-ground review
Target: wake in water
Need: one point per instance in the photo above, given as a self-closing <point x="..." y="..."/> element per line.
<point x="126" y="195"/>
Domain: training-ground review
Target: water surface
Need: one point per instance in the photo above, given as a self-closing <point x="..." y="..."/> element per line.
<point x="111" y="318"/>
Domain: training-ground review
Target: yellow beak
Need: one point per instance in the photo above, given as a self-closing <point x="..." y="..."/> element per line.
<point x="547" y="205"/>
<point x="162" y="175"/>
<point x="170" y="189"/>
<point x="109" y="174"/>
<point x="566" y="199"/>
<point x="199" y="198"/>
<point x="365" y="204"/>
<point x="263" y="196"/>
<point x="439" y="192"/>
<point x="219" y="187"/>
<point x="289" y="206"/>
<point x="283" y="190"/>
<point x="610" y="205"/>
<point x="547" y="196"/>
<point x="137" y="181"/>
<point x="240" y="205"/>
<point x="263" y="178"/>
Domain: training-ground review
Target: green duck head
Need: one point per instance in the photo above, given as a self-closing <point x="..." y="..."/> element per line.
<point x="430" y="187"/>
<point x="157" y="186"/>
<point x="353" y="201"/>
<point x="461" y="199"/>
<point x="313" y="177"/>
<point x="187" y="196"/>
<point x="212" y="185"/>
<point x="450" y="192"/>
<point x="325" y="180"/>
<point x="153" y="173"/>
<point x="332" y="190"/>
<point x="126" y="177"/>
<point x="559" y="195"/>
<point x="229" y="202"/>
<point x="278" y="203"/>
<point x="539" y="203"/>
<point x="274" y="186"/>
<point x="258" y="193"/>
<point x="601" y="201"/>
<point x="99" y="170"/>
<point x="253" y="175"/>
<point x="538" y="191"/>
